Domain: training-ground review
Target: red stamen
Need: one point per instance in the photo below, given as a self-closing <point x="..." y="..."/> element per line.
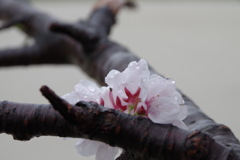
<point x="141" y="111"/>
<point x="119" y="104"/>
<point x="101" y="102"/>
<point x="148" y="104"/>
<point x="133" y="99"/>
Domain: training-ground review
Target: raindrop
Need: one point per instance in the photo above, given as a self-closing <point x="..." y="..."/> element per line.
<point x="92" y="89"/>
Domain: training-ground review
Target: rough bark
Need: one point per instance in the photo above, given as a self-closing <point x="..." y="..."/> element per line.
<point x="136" y="134"/>
<point x="86" y="44"/>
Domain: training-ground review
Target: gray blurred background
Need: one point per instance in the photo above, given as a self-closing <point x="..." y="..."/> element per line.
<point x="197" y="43"/>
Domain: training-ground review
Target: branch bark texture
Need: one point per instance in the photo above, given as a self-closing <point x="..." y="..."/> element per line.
<point x="87" y="45"/>
<point x="138" y="135"/>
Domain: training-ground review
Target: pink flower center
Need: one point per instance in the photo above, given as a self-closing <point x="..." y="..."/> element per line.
<point x="118" y="105"/>
<point x="132" y="99"/>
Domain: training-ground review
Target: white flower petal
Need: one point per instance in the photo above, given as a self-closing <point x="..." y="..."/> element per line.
<point x="87" y="147"/>
<point x="135" y="74"/>
<point x="102" y="151"/>
<point x="158" y="99"/>
<point x="183" y="112"/>
<point x="106" y="152"/>
<point x="72" y="97"/>
<point x="110" y="79"/>
<point x="87" y="91"/>
<point x="105" y="96"/>
<point x="166" y="111"/>
<point x="131" y="77"/>
<point x="180" y="124"/>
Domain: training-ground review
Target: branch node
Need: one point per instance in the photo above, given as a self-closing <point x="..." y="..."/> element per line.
<point x="197" y="145"/>
<point x="59" y="104"/>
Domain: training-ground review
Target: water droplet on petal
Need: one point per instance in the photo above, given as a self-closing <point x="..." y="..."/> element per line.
<point x="91" y="88"/>
<point x="170" y="80"/>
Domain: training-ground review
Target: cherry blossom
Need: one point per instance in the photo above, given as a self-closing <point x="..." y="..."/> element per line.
<point x="134" y="91"/>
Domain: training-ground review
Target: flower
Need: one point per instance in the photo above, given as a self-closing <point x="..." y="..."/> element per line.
<point x="134" y="91"/>
<point x="103" y="151"/>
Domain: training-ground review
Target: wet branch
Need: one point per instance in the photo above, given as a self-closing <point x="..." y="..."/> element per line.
<point x="137" y="135"/>
<point x="87" y="45"/>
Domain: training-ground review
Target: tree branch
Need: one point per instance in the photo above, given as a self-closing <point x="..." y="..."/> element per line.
<point x="25" y="121"/>
<point x="140" y="137"/>
<point x="89" y="120"/>
<point x="49" y="48"/>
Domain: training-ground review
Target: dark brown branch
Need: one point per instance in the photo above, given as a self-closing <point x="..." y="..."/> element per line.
<point x="159" y="141"/>
<point x="102" y="19"/>
<point x="135" y="134"/>
<point x="83" y="33"/>
<point x="25" y="121"/>
<point x="103" y="16"/>
<point x="36" y="24"/>
<point x="67" y="110"/>
<point x="33" y="21"/>
<point x="42" y="53"/>
<point x="109" y="55"/>
<point x="49" y="48"/>
<point x="29" y="55"/>
<point x="19" y="56"/>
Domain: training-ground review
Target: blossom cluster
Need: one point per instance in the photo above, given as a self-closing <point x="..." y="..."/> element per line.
<point x="134" y="91"/>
